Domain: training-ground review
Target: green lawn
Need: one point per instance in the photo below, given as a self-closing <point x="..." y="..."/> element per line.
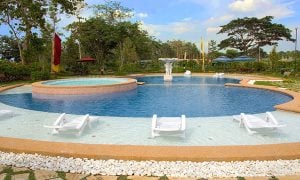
<point x="292" y="84"/>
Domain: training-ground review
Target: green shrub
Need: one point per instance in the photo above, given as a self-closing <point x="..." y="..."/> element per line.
<point x="178" y="69"/>
<point x="40" y="75"/>
<point x="120" y="73"/>
<point x="10" y="71"/>
<point x="78" y="69"/>
<point x="154" y="66"/>
<point x="131" y="68"/>
<point x="260" y="66"/>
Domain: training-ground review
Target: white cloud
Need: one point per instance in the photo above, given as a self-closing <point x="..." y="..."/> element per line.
<point x="182" y="27"/>
<point x="152" y="29"/>
<point x="175" y="28"/>
<point x="213" y="29"/>
<point x="187" y="19"/>
<point x="218" y="20"/>
<point x="210" y="3"/>
<point x="142" y="15"/>
<point x="244" y="5"/>
<point x="260" y="8"/>
<point x="226" y="17"/>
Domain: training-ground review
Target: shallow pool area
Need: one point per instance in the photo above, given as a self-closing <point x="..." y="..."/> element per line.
<point x="201" y="131"/>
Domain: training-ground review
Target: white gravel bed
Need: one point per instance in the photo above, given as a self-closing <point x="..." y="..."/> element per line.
<point x="153" y="168"/>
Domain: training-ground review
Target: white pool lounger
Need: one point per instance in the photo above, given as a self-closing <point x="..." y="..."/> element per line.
<point x="76" y="125"/>
<point x="168" y="126"/>
<point x="218" y="75"/>
<point x="251" y="122"/>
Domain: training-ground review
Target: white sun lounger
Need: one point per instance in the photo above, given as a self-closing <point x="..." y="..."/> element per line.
<point x="218" y="75"/>
<point x="252" y="122"/>
<point x="76" y="125"/>
<point x="187" y="73"/>
<point x="168" y="125"/>
<point x="6" y="113"/>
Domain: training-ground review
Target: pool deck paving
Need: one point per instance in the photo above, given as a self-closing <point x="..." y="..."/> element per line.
<point x="169" y="153"/>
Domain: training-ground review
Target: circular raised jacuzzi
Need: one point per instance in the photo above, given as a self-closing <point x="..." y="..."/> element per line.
<point x="81" y="86"/>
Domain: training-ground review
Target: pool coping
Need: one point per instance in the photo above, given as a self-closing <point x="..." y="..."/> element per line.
<point x="166" y="153"/>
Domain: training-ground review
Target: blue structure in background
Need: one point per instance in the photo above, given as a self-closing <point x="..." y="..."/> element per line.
<point x="225" y="59"/>
<point x="243" y="59"/>
<point x="222" y="59"/>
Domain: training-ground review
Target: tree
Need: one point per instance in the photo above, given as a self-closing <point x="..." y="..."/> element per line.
<point x="184" y="49"/>
<point x="127" y="53"/>
<point x="232" y="53"/>
<point x="212" y="50"/>
<point x="97" y="39"/>
<point x="249" y="33"/>
<point x="112" y="11"/>
<point x="274" y="57"/>
<point x="257" y="54"/>
<point x="212" y="46"/>
<point x="22" y="17"/>
<point x="70" y="52"/>
<point x="165" y="50"/>
<point x="9" y="48"/>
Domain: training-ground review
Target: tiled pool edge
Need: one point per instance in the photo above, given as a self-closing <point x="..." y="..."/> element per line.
<point x="169" y="153"/>
<point x="4" y="88"/>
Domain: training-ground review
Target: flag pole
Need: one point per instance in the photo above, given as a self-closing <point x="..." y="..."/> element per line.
<point x="56" y="51"/>
<point x="53" y="41"/>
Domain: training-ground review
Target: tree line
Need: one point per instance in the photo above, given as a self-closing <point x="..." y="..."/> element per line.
<point x="117" y="44"/>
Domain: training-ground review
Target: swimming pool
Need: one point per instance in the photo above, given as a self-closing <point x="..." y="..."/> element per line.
<point x="130" y="130"/>
<point x="194" y="97"/>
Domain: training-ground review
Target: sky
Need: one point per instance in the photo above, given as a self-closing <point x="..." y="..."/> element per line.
<point x="191" y="20"/>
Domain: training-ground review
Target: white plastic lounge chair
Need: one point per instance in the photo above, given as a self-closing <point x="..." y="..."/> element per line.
<point x="76" y="125"/>
<point x="168" y="125"/>
<point x="252" y="122"/>
<point x="187" y="73"/>
<point x="6" y="113"/>
<point x="218" y="75"/>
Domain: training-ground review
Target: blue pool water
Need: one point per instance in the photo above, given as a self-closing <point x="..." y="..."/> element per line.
<point x="85" y="81"/>
<point x="194" y="97"/>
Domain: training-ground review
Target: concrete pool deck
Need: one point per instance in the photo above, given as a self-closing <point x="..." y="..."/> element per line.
<point x="169" y="153"/>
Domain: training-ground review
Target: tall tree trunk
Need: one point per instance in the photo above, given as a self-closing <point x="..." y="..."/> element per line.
<point x="21" y="53"/>
<point x="17" y="38"/>
<point x="27" y="32"/>
<point x="25" y="45"/>
<point x="258" y="54"/>
<point x="121" y="56"/>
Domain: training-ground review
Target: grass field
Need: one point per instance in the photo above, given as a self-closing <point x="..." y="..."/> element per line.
<point x="292" y="84"/>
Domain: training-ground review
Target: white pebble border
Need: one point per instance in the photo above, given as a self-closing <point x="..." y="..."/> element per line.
<point x="152" y="168"/>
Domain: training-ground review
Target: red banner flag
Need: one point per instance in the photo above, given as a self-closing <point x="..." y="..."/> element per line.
<point x="57" y="49"/>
